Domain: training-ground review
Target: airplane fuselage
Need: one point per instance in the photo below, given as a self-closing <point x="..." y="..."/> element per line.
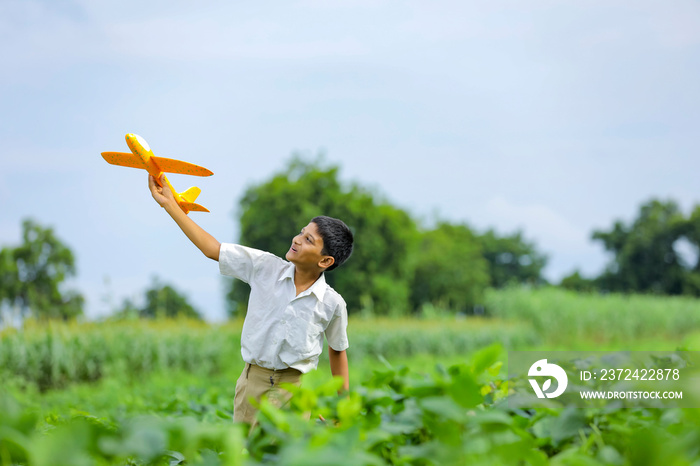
<point x="141" y="148"/>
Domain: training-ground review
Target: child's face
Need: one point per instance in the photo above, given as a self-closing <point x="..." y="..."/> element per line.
<point x="306" y="247"/>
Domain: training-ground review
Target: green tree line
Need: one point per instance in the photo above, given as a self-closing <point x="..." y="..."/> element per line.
<point x="32" y="276"/>
<point x="399" y="265"/>
<point x="161" y="301"/>
<point x="32" y="283"/>
<point x="655" y="253"/>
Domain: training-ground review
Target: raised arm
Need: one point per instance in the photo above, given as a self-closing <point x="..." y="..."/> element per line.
<point x="203" y="240"/>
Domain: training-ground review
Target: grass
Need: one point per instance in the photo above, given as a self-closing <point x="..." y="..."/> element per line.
<point x="59" y="355"/>
<point x="116" y="362"/>
<point x="106" y="374"/>
<point x="560" y="317"/>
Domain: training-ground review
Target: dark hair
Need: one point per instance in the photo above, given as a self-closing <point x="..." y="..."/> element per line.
<point x="337" y="239"/>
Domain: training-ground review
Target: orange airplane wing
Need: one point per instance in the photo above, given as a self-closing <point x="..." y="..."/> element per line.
<point x="178" y="166"/>
<point x="127" y="159"/>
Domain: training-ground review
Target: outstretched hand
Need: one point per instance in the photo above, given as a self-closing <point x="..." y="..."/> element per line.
<point x="162" y="195"/>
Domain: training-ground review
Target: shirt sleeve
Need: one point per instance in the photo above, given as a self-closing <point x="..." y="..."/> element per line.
<point x="336" y="332"/>
<point x="240" y="261"/>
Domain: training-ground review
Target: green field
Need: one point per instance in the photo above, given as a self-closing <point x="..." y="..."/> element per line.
<point x="423" y="391"/>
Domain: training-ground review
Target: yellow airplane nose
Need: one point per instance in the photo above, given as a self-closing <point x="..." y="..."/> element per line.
<point x="137" y="144"/>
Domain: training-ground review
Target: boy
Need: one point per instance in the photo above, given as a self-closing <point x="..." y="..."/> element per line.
<point x="290" y="306"/>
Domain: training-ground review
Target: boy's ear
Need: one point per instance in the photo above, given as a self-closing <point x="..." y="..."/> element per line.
<point x="326" y="261"/>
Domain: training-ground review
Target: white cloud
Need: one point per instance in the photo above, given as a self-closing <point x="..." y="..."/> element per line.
<point x="210" y="39"/>
<point x="567" y="245"/>
<point x="10" y="234"/>
<point x="538" y="221"/>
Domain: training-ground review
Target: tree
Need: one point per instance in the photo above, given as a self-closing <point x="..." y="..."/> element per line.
<point x="577" y="282"/>
<point x="645" y="258"/>
<point x="161" y="301"/>
<point x="378" y="273"/>
<point x="512" y="259"/>
<point x="690" y="234"/>
<point x="450" y="270"/>
<point x="32" y="274"/>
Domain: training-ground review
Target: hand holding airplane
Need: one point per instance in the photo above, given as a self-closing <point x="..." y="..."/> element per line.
<point x="141" y="156"/>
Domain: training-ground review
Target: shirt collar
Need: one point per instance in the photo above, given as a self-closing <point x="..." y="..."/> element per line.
<point x="318" y="288"/>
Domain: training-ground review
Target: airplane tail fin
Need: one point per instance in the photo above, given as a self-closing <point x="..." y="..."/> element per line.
<point x="191" y="206"/>
<point x="191" y="194"/>
<point x="188" y="198"/>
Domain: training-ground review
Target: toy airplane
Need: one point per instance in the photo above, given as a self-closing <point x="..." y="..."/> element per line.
<point x="141" y="156"/>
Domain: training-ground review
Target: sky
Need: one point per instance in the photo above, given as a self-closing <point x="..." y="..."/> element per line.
<point x="556" y="118"/>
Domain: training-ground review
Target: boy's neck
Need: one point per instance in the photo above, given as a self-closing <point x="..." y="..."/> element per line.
<point x="304" y="279"/>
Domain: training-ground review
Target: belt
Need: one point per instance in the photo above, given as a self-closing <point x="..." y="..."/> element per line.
<point x="288" y="370"/>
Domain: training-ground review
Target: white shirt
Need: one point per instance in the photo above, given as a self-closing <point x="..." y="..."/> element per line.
<point x="282" y="329"/>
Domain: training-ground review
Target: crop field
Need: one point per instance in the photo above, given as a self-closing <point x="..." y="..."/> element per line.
<point x="424" y="391"/>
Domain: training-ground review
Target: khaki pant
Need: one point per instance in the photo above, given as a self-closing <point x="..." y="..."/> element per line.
<point x="256" y="381"/>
